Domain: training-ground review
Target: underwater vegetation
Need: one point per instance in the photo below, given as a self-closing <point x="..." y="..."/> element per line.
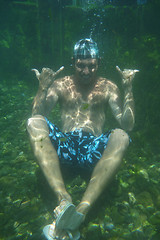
<point x="129" y="209"/>
<point x="36" y="34"/>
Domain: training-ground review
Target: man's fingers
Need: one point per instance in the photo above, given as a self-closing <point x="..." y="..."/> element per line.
<point x="36" y="72"/>
<point x="118" y="69"/>
<point x="136" y="70"/>
<point x="47" y="70"/>
<point x="58" y="71"/>
<point x="127" y="72"/>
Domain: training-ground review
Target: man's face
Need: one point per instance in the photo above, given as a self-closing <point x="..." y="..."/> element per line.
<point x="85" y="70"/>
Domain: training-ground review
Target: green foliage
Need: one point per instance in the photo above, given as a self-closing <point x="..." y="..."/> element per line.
<point x="37" y="34"/>
<point x="27" y="3"/>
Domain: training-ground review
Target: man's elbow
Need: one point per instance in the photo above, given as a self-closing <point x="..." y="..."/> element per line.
<point x="130" y="128"/>
<point x="128" y="120"/>
<point x="128" y="124"/>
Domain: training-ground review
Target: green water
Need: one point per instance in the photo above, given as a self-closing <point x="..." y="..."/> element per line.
<point x="39" y="33"/>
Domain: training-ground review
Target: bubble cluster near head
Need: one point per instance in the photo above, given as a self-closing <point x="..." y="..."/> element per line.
<point x="86" y="48"/>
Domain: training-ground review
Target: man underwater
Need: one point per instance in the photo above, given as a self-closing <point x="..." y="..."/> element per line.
<point x="83" y="99"/>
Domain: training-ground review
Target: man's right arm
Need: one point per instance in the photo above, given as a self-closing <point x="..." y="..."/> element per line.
<point x="40" y="105"/>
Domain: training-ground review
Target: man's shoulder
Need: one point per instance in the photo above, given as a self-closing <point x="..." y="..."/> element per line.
<point x="106" y="83"/>
<point x="60" y="86"/>
<point x="64" y="80"/>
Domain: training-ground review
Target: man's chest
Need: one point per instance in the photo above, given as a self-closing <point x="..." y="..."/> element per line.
<point x="76" y="101"/>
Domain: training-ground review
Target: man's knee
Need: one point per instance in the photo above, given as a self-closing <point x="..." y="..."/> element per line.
<point x="37" y="126"/>
<point x="121" y="137"/>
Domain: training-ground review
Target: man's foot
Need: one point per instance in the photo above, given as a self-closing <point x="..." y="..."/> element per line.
<point x="51" y="233"/>
<point x="67" y="218"/>
<point x="83" y="207"/>
<point x="63" y="214"/>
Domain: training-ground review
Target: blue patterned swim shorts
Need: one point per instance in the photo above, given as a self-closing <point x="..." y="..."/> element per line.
<point x="78" y="148"/>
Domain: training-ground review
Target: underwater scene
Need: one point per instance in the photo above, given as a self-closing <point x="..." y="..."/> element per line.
<point x="42" y="33"/>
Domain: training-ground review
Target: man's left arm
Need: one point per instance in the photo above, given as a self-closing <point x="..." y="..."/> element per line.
<point x="124" y="113"/>
<point x="128" y="116"/>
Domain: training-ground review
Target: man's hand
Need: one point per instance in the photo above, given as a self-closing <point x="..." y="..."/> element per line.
<point x="46" y="77"/>
<point x="127" y="76"/>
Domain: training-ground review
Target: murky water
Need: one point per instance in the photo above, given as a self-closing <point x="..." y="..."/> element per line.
<point x="36" y="34"/>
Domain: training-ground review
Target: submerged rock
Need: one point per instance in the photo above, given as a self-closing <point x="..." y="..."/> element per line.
<point x="155" y="218"/>
<point x="145" y="199"/>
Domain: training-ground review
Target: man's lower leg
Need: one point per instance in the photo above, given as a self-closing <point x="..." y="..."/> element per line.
<point x="47" y="156"/>
<point x="105" y="169"/>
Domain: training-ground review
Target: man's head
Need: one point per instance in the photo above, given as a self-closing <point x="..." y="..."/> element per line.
<point x="86" y="48"/>
<point x="86" y="58"/>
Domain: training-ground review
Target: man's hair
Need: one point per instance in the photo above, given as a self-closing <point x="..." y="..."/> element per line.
<point x="85" y="48"/>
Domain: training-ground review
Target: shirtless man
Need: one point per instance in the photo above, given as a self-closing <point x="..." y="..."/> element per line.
<point x="83" y="99"/>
